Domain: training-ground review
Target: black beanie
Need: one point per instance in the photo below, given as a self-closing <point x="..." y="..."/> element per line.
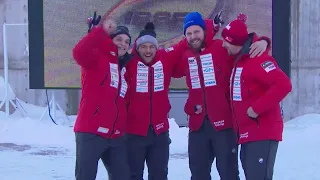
<point x="121" y="30"/>
<point x="147" y="35"/>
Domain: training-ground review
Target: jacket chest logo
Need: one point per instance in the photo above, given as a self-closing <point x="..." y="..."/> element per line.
<point x="124" y="85"/>
<point x="114" y="73"/>
<point x="207" y="69"/>
<point x="115" y="80"/>
<point x="143" y="81"/>
<point x="236" y="84"/>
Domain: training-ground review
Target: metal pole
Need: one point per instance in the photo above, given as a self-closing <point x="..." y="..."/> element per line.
<point x="21" y="24"/>
<point x="4" y="54"/>
<point x="6" y="67"/>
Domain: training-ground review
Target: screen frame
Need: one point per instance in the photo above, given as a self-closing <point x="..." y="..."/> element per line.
<point x="281" y="42"/>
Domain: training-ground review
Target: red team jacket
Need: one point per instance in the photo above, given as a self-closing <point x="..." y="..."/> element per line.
<point x="149" y="103"/>
<point x="102" y="107"/>
<point x="207" y="77"/>
<point x="149" y="87"/>
<point x="258" y="83"/>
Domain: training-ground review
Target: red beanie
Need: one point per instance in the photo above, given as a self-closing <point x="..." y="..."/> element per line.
<point x="236" y="32"/>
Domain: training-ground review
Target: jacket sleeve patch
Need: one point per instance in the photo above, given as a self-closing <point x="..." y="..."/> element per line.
<point x="268" y="66"/>
<point x="169" y="49"/>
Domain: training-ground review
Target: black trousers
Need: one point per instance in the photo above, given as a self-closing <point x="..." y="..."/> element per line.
<point x="207" y="144"/>
<point x="152" y="149"/>
<point x="258" y="159"/>
<point x="90" y="148"/>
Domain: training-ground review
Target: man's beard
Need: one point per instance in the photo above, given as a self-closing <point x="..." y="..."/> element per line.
<point x="145" y="58"/>
<point x="197" y="49"/>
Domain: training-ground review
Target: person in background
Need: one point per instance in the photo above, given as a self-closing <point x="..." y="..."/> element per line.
<point x="258" y="86"/>
<point x="101" y="121"/>
<point x="207" y="67"/>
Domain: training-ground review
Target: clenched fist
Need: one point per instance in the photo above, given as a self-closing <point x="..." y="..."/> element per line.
<point x="251" y="113"/>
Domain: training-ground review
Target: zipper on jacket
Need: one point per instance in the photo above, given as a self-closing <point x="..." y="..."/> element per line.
<point x="202" y="84"/>
<point x="151" y="90"/>
<point x="231" y="100"/>
<point x="245" y="50"/>
<point x="104" y="80"/>
<point x="96" y="111"/>
<point x="115" y="103"/>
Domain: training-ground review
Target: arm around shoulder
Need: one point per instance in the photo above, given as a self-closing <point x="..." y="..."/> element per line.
<point x="173" y="57"/>
<point x="266" y="39"/>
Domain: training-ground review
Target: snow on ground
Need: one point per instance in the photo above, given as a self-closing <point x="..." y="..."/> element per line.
<point x="31" y="149"/>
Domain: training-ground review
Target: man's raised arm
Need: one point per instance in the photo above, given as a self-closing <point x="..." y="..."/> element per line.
<point x="86" y="53"/>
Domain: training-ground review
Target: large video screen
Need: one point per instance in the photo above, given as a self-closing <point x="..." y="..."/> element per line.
<point x="61" y="24"/>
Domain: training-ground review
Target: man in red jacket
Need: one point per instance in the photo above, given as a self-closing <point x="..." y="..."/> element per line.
<point x="257" y="87"/>
<point x="100" y="123"/>
<point x="149" y="74"/>
<point x="207" y="67"/>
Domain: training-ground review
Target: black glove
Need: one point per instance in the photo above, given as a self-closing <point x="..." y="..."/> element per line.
<point x="218" y="19"/>
<point x="93" y="21"/>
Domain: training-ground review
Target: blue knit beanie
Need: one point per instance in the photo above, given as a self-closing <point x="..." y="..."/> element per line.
<point x="193" y="18"/>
